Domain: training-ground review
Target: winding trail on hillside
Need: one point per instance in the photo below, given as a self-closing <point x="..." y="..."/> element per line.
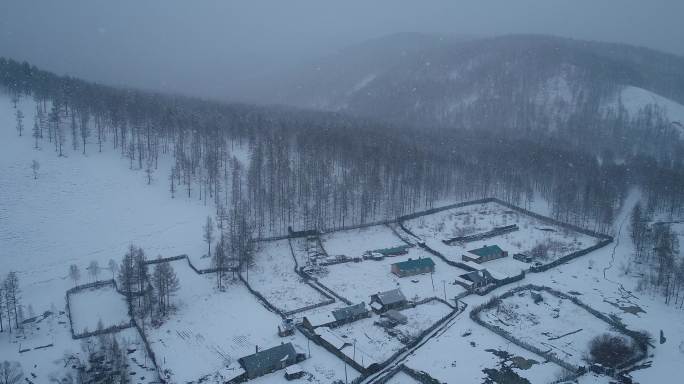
<point x="630" y="202"/>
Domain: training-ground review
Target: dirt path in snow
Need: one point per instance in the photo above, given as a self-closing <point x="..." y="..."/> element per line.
<point x="630" y="202"/>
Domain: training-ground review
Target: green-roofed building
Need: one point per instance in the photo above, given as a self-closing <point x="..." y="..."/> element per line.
<point x="486" y="253"/>
<point x="412" y="267"/>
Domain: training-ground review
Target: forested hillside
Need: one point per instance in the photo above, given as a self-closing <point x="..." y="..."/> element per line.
<point x="594" y="96"/>
<point x="326" y="170"/>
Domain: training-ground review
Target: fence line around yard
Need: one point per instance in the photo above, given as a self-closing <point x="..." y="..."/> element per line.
<point x="192" y="266"/>
<point x="113" y="329"/>
<point x="640" y="338"/>
<point x="83" y="287"/>
<point x="375" y="367"/>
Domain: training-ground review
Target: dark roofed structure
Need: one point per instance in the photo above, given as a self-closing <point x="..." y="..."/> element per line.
<point x="486" y="253"/>
<point x="270" y="360"/>
<point x="412" y="267"/>
<point x="383" y="301"/>
<point x="475" y="279"/>
<point x="350" y="313"/>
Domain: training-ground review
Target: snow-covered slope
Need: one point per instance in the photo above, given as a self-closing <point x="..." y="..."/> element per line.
<point x="635" y="100"/>
<point x="80" y="209"/>
<point x="516" y="83"/>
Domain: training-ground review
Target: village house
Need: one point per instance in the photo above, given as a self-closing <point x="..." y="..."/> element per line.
<point x="270" y="360"/>
<point x="475" y="279"/>
<point x="413" y="267"/>
<point x="384" y="301"/>
<point x="350" y="314"/>
<point x="523" y="257"/>
<point x="337" y="317"/>
<point x="286" y="328"/>
<point x="486" y="253"/>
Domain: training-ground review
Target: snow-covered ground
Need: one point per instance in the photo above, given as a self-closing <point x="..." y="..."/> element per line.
<point x="555" y="324"/>
<point x="402" y="378"/>
<point x="368" y="343"/>
<point x="274" y="277"/>
<point x="355" y="242"/>
<point x="210" y="330"/>
<point x="80" y="209"/>
<point x="358" y="281"/>
<point x="465" y="349"/>
<point x="85" y="208"/>
<point x="44" y="346"/>
<point x="479" y="218"/>
<point x="450" y="356"/>
<point x="93" y="307"/>
<point x="635" y="99"/>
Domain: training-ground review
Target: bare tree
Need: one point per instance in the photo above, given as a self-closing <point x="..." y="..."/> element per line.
<point x="149" y="170"/>
<point x="12" y="300"/>
<point x="209" y="233"/>
<point x="220" y="261"/>
<point x="94" y="269"/>
<point x="20" y="121"/>
<point x="166" y="284"/>
<point x="74" y="273"/>
<point x="10" y="372"/>
<point x="35" y="166"/>
<point x="36" y="133"/>
<point x="113" y="267"/>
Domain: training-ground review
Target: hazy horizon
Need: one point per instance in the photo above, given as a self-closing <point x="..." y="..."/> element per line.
<point x="215" y="48"/>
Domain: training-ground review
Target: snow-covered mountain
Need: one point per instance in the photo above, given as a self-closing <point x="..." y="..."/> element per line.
<point x="523" y="82"/>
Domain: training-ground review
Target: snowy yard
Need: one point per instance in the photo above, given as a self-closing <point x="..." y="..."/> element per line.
<point x="480" y="218"/>
<point x="355" y="242"/>
<point x="274" y="277"/>
<point x="402" y="378"/>
<point x="466" y="350"/>
<point x="44" y="346"/>
<point x="368" y="343"/>
<point x="357" y="281"/>
<point x="93" y="307"/>
<point x="552" y="324"/>
<point x="211" y="330"/>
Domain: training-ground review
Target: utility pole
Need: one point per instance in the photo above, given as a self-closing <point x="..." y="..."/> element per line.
<point x="432" y="280"/>
<point x="444" y="284"/>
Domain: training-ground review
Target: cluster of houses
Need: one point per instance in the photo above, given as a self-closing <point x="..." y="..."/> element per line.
<point x="386" y="304"/>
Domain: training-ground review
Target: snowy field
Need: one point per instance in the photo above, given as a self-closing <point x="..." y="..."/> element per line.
<point x="422" y="317"/>
<point x="555" y="324"/>
<point x="80" y="209"/>
<point x="274" y="277"/>
<point x="211" y="330"/>
<point x="635" y="99"/>
<point x="367" y="343"/>
<point x="355" y="242"/>
<point x="357" y="281"/>
<point x="94" y="306"/>
<point x="479" y="218"/>
<point x="44" y="346"/>
<point x="402" y="378"/>
<point x="465" y="350"/>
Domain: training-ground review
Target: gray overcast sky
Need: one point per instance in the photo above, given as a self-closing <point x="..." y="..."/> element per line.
<point x="210" y="47"/>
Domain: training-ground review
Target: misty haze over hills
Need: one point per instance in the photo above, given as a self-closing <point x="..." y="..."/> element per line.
<point x="259" y="192"/>
<point x="533" y="81"/>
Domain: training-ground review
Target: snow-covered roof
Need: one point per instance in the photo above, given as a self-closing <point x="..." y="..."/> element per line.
<point x="294" y="369"/>
<point x="352" y="311"/>
<point x="326" y="334"/>
<point x="319" y="319"/>
<point x="391" y="297"/>
<point x="474" y="265"/>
